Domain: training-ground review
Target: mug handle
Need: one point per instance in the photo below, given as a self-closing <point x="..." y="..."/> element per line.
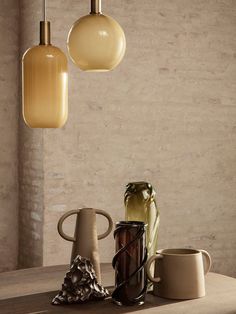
<point x="208" y="260"/>
<point x="60" y="222"/>
<point x="110" y="226"/>
<point x="148" y="266"/>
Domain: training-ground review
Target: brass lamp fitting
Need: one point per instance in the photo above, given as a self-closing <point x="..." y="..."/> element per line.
<point x="96" y="7"/>
<point x="45" y="33"/>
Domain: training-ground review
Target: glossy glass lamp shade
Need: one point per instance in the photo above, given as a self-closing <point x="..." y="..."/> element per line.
<point x="44" y="87"/>
<point x="96" y="42"/>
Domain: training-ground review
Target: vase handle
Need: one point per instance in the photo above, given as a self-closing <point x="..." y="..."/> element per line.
<point x="60" y="222"/>
<point x="110" y="223"/>
<point x="76" y="211"/>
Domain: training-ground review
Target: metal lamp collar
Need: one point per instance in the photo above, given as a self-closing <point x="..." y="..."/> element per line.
<point x="45" y="33"/>
<point x="96" y="7"/>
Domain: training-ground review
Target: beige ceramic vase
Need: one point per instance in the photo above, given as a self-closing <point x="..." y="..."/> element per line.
<point x="85" y="239"/>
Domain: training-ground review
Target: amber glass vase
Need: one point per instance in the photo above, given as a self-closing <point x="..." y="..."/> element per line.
<point x="129" y="263"/>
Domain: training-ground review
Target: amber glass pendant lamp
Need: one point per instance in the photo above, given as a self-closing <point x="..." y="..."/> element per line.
<point x="44" y="82"/>
<point x="96" y="42"/>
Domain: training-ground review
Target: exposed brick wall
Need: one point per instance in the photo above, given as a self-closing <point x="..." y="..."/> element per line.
<point x="9" y="54"/>
<point x="31" y="173"/>
<point x="31" y="199"/>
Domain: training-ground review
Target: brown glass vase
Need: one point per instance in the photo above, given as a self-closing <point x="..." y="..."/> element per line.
<point x="129" y="262"/>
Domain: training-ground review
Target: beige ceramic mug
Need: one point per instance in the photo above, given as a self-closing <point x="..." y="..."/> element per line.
<point x="179" y="273"/>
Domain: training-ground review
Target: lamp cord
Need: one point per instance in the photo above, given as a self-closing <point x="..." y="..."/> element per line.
<point x="45" y="10"/>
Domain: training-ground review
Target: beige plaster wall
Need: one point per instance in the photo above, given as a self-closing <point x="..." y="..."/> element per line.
<point x="9" y="55"/>
<point x="167" y="115"/>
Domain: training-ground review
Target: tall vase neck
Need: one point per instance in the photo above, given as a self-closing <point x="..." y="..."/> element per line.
<point x="45" y="33"/>
<point x="96" y="6"/>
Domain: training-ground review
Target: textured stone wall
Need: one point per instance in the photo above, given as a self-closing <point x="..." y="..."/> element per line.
<point x="165" y="115"/>
<point x="9" y="56"/>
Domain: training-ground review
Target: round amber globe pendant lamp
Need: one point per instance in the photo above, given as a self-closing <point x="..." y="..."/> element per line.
<point x="96" y="42"/>
<point x="44" y="83"/>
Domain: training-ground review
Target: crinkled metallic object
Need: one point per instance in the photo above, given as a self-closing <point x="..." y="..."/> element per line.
<point x="80" y="284"/>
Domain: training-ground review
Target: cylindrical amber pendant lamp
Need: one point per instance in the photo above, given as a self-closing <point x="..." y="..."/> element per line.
<point x="44" y="83"/>
<point x="96" y="42"/>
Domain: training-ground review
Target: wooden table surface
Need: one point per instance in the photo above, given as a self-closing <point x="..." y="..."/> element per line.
<point x="30" y="291"/>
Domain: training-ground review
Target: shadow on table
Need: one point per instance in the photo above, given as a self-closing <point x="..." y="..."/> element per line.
<point x="41" y="304"/>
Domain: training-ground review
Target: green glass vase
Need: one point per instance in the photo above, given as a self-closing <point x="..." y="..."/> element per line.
<point x="140" y="205"/>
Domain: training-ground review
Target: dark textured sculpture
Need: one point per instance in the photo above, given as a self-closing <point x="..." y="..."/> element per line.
<point x="80" y="284"/>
